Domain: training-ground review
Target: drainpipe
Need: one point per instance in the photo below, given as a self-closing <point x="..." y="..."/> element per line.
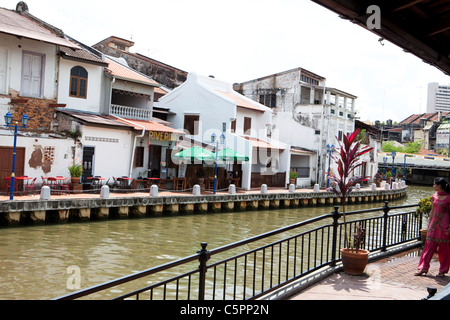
<point x="134" y="143"/>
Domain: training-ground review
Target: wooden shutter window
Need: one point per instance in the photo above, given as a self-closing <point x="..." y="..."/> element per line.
<point x="191" y="124"/>
<point x="78" y="82"/>
<point x="247" y="125"/>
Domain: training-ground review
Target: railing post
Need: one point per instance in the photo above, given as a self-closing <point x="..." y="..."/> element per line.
<point x="203" y="258"/>
<point x="385" y="224"/>
<point x="335" y="215"/>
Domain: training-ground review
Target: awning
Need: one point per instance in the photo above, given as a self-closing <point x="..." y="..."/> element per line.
<point x="195" y="153"/>
<point x="257" y="143"/>
<point x="301" y="151"/>
<point x="230" y="155"/>
<point x="150" y="126"/>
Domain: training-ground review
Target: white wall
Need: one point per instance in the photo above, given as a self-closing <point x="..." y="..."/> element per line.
<point x="93" y="100"/>
<point x="15" y="48"/>
<point x="62" y="156"/>
<point x="111" y="158"/>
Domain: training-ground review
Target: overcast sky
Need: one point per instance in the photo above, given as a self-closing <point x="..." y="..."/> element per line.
<point x="242" y="40"/>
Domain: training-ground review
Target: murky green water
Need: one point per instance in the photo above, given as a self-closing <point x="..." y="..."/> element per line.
<point x="38" y="262"/>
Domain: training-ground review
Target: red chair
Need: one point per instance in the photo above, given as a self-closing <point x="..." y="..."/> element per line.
<point x="65" y="185"/>
<point x="31" y="186"/>
<point x="7" y="184"/>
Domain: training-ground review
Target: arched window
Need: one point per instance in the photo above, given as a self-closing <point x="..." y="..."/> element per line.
<point x="78" y="82"/>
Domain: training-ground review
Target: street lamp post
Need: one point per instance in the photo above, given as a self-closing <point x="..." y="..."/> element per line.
<point x="8" y="121"/>
<point x="385" y="159"/>
<point x="404" y="168"/>
<point x="393" y="168"/>
<point x="214" y="140"/>
<point x="330" y="149"/>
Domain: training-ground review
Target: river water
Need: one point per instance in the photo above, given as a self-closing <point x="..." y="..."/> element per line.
<point x="39" y="262"/>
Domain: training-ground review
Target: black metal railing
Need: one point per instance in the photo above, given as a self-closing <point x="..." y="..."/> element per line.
<point x="253" y="267"/>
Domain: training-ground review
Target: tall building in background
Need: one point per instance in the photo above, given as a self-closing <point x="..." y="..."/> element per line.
<point x="438" y="97"/>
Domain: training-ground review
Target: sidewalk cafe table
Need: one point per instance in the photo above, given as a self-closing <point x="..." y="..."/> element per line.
<point x="96" y="182"/>
<point x="25" y="181"/>
<point x="124" y="182"/>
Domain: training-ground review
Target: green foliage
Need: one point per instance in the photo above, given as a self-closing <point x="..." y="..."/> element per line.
<point x="425" y="205"/>
<point x="75" y="170"/>
<point x="410" y="147"/>
<point x="293" y="174"/>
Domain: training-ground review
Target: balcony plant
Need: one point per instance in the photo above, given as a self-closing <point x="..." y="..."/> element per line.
<point x="347" y="158"/>
<point x="424" y="209"/>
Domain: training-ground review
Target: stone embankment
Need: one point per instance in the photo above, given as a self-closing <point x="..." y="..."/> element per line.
<point x="46" y="209"/>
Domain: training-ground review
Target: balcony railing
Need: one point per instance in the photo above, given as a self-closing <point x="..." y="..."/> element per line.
<point x="249" y="269"/>
<point x="130" y="112"/>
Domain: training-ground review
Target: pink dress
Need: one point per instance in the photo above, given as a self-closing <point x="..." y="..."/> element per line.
<point x="437" y="237"/>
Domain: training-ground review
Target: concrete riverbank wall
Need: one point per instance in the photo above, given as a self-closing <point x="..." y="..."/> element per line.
<point x="72" y="209"/>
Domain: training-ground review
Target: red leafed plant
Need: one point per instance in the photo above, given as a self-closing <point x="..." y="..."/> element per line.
<point x="348" y="159"/>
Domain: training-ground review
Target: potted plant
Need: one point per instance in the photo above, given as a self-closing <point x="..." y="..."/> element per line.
<point x="388" y="176"/>
<point x="292" y="176"/>
<point x="75" y="171"/>
<point x="347" y="158"/>
<point x="424" y="209"/>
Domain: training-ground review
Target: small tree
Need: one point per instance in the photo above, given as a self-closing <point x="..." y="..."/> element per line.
<point x="348" y="159"/>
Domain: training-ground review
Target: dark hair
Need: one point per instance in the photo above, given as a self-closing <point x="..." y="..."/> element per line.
<point x="443" y="183"/>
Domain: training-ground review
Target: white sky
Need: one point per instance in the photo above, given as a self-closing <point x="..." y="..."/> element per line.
<point x="242" y="40"/>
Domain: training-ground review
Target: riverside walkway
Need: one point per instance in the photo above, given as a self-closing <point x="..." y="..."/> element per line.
<point x="390" y="278"/>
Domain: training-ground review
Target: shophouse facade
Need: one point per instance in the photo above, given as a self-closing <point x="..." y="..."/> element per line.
<point x="83" y="106"/>
<point x="204" y="105"/>
<point x="307" y="116"/>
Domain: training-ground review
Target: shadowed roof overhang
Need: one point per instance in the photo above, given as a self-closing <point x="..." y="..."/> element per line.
<point x="420" y="27"/>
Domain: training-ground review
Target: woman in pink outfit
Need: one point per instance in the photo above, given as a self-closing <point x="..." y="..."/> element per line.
<point x="438" y="234"/>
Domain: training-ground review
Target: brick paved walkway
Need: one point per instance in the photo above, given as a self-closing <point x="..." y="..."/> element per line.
<point x="391" y="278"/>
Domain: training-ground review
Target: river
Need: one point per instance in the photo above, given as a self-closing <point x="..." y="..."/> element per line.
<point x="37" y="261"/>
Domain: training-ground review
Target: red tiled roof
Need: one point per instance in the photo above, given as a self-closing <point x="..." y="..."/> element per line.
<point x="241" y="102"/>
<point x="150" y="126"/>
<point x="415" y="118"/>
<point x="124" y="72"/>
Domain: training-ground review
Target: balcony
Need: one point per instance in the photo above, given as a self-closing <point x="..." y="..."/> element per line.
<point x="130" y="112"/>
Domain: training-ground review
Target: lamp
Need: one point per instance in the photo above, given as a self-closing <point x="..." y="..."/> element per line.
<point x="8" y="118"/>
<point x="8" y="123"/>
<point x="214" y="140"/>
<point x="330" y="149"/>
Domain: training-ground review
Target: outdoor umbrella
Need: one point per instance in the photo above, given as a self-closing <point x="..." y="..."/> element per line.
<point x="195" y="153"/>
<point x="231" y="155"/>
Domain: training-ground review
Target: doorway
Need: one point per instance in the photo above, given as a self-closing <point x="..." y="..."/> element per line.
<point x="154" y="161"/>
<point x="88" y="162"/>
<point x="6" y="156"/>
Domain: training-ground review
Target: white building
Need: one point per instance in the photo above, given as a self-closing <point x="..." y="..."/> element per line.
<point x="82" y="105"/>
<point x="204" y="105"/>
<point x="307" y="115"/>
<point x="438" y="98"/>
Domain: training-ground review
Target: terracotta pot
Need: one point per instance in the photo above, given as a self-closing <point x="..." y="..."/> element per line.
<point x="75" y="180"/>
<point x="354" y="263"/>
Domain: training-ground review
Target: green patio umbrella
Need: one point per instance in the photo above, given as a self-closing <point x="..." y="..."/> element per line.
<point x="195" y="153"/>
<point x="231" y="155"/>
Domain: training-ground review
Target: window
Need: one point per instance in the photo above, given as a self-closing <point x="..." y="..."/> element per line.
<point x="32" y="74"/>
<point x="191" y="124"/>
<point x="233" y="126"/>
<point x="78" y="82"/>
<point x="340" y="134"/>
<point x="247" y="125"/>
<point x="269" y="100"/>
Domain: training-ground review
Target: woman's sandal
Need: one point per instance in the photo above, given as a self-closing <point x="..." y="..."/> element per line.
<point x="440" y="274"/>
<point x="421" y="272"/>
